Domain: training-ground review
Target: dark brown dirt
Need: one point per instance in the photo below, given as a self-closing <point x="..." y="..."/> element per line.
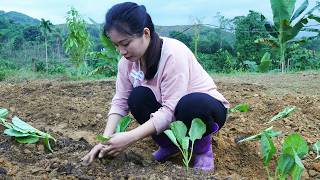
<point x="74" y="112"/>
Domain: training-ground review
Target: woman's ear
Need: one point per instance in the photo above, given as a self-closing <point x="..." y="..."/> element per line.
<point x="146" y="32"/>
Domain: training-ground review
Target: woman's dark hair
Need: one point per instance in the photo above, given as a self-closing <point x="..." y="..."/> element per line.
<point x="130" y="18"/>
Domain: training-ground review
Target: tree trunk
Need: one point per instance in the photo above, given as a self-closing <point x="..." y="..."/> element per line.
<point x="46" y="45"/>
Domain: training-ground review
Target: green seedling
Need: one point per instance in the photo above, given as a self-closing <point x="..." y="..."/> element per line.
<point x="177" y="134"/>
<point x="23" y="132"/>
<point x="243" y="107"/>
<point x="121" y="127"/>
<point x="283" y="113"/>
<point x="269" y="132"/>
<point x="316" y="149"/>
<point x="294" y="147"/>
<point x="289" y="162"/>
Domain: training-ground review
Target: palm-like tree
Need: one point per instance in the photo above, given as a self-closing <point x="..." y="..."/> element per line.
<point x="46" y="28"/>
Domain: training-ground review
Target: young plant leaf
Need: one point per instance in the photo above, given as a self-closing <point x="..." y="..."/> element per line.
<point x="3" y="113"/>
<point x="179" y="130"/>
<point x="243" y="107"/>
<point x="185" y="143"/>
<point x="269" y="131"/>
<point x="316" y="149"/>
<point x="102" y="138"/>
<point x="284" y="166"/>
<point x="267" y="148"/>
<point x="27" y="140"/>
<point x="295" y="143"/>
<point x="198" y="128"/>
<point x="14" y="133"/>
<point x="298" y="167"/>
<point x="123" y="124"/>
<point x="283" y="113"/>
<point x="171" y="136"/>
<point x="46" y="142"/>
<point x="5" y="123"/>
<point x="22" y="125"/>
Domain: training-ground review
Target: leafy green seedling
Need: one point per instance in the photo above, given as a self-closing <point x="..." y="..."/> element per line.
<point x="268" y="132"/>
<point x="177" y="134"/>
<point x="121" y="127"/>
<point x="289" y="162"/>
<point x="316" y="149"/>
<point x="23" y="132"/>
<point x="283" y="113"/>
<point x="243" y="107"/>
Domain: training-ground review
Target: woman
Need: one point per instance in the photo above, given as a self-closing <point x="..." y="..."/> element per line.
<point x="159" y="80"/>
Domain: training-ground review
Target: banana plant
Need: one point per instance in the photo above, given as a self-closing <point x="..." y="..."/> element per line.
<point x="286" y="26"/>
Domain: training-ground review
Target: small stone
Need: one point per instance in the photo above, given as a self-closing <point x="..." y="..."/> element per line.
<point x="316" y="166"/>
<point x="99" y="116"/>
<point x="313" y="173"/>
<point x="27" y="151"/>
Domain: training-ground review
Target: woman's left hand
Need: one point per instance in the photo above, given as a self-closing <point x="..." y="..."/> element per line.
<point x="118" y="143"/>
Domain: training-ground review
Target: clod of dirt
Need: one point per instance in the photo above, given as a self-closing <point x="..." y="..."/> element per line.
<point x="3" y="171"/>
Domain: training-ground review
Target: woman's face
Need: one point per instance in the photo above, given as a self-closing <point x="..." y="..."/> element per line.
<point x="131" y="47"/>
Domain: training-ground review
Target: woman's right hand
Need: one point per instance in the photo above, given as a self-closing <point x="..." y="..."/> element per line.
<point x="95" y="152"/>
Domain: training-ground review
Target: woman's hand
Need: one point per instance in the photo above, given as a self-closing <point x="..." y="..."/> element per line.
<point x="118" y="143"/>
<point x="88" y="158"/>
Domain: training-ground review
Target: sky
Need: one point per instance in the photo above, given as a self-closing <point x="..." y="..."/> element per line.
<point x="163" y="12"/>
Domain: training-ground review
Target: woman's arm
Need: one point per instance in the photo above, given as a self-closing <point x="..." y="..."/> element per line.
<point x="120" y="141"/>
<point x="111" y="125"/>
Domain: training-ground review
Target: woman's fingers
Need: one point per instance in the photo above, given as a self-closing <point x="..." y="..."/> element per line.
<point x="87" y="159"/>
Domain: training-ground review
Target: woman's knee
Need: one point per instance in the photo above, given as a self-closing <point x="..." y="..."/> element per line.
<point x="203" y="106"/>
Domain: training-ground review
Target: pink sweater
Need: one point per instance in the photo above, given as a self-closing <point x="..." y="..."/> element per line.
<point x="179" y="73"/>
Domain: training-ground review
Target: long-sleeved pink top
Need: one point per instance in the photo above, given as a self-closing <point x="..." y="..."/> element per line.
<point x="179" y="73"/>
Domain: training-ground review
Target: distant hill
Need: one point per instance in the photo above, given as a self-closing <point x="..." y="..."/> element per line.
<point x="19" y="18"/>
<point x="25" y="20"/>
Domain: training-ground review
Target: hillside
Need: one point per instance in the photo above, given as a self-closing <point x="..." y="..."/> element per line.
<point x="19" y="18"/>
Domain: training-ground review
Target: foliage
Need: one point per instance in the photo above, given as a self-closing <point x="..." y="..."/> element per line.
<point x="107" y="57"/>
<point x="221" y="61"/>
<point x="243" y="107"/>
<point x="289" y="162"/>
<point x="269" y="132"/>
<point x="300" y="58"/>
<point x="283" y="113"/>
<point x="247" y="30"/>
<point x="121" y="127"/>
<point x="186" y="39"/>
<point x="316" y="149"/>
<point x="265" y="63"/>
<point x="46" y="27"/>
<point x="23" y="132"/>
<point x="77" y="43"/>
<point x="286" y="25"/>
<point x="177" y="134"/>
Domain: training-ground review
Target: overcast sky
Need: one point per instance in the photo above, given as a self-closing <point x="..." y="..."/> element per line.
<point x="163" y="12"/>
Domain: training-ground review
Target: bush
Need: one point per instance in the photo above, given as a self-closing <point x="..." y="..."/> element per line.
<point x="57" y="69"/>
<point x="2" y="75"/>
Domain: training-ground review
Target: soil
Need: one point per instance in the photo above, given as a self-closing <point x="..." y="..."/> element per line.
<point x="74" y="112"/>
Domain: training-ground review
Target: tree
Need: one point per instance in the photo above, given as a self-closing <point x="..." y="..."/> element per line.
<point x="286" y="27"/>
<point x="77" y="43"/>
<point x="223" y="24"/>
<point x="247" y="30"/>
<point x="31" y="33"/>
<point x="186" y="39"/>
<point x="46" y="28"/>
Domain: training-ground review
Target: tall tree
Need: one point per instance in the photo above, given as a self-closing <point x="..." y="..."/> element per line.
<point x="247" y="30"/>
<point x="46" y="28"/>
<point x="78" y="42"/>
<point x="286" y="26"/>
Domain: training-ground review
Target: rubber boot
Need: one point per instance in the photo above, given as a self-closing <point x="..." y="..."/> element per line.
<point x="166" y="148"/>
<point x="203" y="155"/>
